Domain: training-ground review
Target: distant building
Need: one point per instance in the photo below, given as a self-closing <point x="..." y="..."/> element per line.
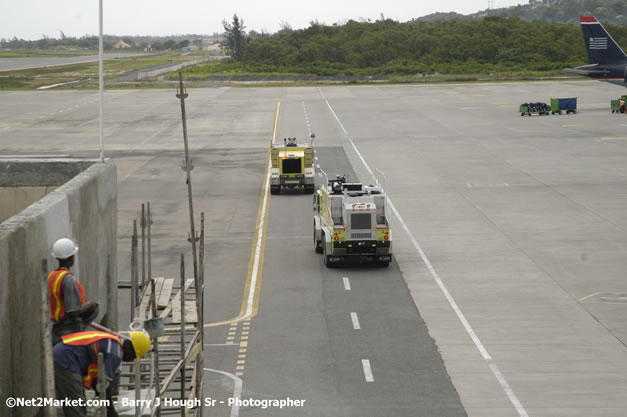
<point x="121" y="45"/>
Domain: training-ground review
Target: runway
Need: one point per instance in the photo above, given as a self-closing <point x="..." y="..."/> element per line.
<point x="20" y="63"/>
<point x="507" y="293"/>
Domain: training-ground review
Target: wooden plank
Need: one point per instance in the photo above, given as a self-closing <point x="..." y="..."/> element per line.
<point x="193" y="353"/>
<point x="158" y="288"/>
<point x="143" y="306"/>
<point x="176" y="300"/>
<point x="190" y="312"/>
<point x="166" y="292"/>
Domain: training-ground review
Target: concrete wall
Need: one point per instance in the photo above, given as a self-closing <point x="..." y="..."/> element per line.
<point x="85" y="209"/>
<point x="15" y="199"/>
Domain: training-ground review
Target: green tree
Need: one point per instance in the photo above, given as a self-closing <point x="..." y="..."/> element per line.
<point x="236" y="37"/>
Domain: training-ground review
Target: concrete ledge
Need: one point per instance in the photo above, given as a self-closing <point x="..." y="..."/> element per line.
<point x="83" y="208"/>
<point x="40" y="172"/>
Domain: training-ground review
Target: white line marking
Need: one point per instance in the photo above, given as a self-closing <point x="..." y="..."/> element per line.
<point x="262" y="220"/>
<point x="347" y="284"/>
<point x="367" y="370"/>
<point x="221" y="344"/>
<point x="484" y="353"/>
<point x="45" y="87"/>
<point x="316" y="158"/>
<point x="355" y="321"/>
<point x="237" y="390"/>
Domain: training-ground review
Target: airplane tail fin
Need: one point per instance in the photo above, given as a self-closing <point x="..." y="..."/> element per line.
<point x="602" y="49"/>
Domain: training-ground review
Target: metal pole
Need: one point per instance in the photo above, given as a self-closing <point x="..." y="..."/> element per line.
<point x="134" y="302"/>
<point x="155" y="344"/>
<point x="153" y="301"/>
<point x="133" y="270"/>
<point x="183" y="333"/>
<point x="101" y="385"/>
<point x="182" y="94"/>
<point x="101" y="82"/>
<point x="148" y="223"/>
<point x="46" y="342"/>
<point x="201" y="310"/>
<point x="143" y="226"/>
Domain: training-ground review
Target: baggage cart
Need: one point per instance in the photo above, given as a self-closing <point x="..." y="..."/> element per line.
<point x="534" y="108"/>
<point x="615" y="105"/>
<point x="568" y="105"/>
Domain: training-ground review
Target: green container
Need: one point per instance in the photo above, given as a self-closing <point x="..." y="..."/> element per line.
<point x="523" y="109"/>
<point x="569" y="105"/>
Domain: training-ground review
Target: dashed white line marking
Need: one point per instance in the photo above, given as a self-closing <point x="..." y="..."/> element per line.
<point x="355" y="321"/>
<point x="460" y="315"/>
<point x="367" y="370"/>
<point x="315" y="157"/>
<point x="347" y="284"/>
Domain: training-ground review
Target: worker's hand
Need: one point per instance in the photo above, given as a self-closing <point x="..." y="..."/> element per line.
<point x="88" y="312"/>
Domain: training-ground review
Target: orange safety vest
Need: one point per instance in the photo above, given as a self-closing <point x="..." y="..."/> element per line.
<point x="57" y="306"/>
<point x="87" y="338"/>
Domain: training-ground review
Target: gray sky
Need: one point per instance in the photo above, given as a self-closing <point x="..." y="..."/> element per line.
<point x="31" y="19"/>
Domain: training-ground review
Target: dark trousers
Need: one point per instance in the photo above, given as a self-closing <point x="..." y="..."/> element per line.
<point x="69" y="385"/>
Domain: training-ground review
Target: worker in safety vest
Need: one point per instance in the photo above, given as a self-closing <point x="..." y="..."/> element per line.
<point x="68" y="309"/>
<point x="76" y="365"/>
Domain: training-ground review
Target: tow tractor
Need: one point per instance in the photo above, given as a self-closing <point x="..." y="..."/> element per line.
<point x="350" y="222"/>
<point x="292" y="166"/>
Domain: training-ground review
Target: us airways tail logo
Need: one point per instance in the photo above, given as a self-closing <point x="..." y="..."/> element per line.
<point x="598" y="43"/>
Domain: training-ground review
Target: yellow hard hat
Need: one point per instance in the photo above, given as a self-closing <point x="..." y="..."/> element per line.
<point x="141" y="343"/>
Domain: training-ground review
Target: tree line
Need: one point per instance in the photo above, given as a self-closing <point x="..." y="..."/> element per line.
<point x="491" y="44"/>
<point x="559" y="11"/>
<point x="87" y="42"/>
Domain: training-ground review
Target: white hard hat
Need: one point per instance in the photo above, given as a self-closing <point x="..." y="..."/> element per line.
<point x="64" y="248"/>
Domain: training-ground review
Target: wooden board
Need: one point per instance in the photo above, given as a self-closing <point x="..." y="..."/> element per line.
<point x="144" y="306"/>
<point x="176" y="300"/>
<point x="190" y="312"/>
<point x="165" y="293"/>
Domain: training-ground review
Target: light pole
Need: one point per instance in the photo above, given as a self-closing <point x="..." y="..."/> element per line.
<point x="101" y="82"/>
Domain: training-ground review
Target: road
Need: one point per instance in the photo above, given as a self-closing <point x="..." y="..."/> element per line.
<point x="13" y="64"/>
<point x="506" y="294"/>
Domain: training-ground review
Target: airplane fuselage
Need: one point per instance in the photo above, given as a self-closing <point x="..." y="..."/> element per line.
<point x="611" y="73"/>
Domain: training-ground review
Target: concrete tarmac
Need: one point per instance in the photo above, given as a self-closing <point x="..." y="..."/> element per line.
<point x="509" y="240"/>
<point x="20" y="63"/>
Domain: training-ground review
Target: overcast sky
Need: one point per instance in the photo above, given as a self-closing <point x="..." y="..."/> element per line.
<point x="31" y="19"/>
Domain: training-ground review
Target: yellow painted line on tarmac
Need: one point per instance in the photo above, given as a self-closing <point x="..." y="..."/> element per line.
<point x="614" y="138"/>
<point x="589" y="296"/>
<point x="252" y="289"/>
